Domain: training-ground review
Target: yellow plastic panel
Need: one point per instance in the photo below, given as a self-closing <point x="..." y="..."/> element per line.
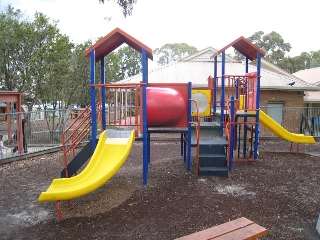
<point x="203" y="98"/>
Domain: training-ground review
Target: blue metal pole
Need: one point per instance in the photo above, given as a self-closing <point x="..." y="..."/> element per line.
<point x="93" y="100"/>
<point x="247" y="64"/>
<point x="215" y="75"/>
<point x="257" y="107"/>
<point x="189" y="128"/>
<point x="245" y="118"/>
<point x="222" y="92"/>
<point x="103" y="95"/>
<point x="146" y="139"/>
<point x="232" y="113"/>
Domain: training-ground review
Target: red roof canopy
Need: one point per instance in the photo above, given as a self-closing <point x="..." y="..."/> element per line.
<point x="245" y="47"/>
<point x="112" y="41"/>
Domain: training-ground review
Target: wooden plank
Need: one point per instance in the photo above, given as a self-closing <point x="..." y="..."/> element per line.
<point x="249" y="232"/>
<point x="218" y="230"/>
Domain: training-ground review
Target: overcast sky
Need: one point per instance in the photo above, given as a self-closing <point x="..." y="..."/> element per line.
<point x="199" y="23"/>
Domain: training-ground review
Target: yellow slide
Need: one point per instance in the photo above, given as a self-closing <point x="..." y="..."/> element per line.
<point x="283" y="133"/>
<point x="111" y="152"/>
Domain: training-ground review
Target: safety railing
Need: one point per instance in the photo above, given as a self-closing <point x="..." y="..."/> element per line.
<point x="122" y="105"/>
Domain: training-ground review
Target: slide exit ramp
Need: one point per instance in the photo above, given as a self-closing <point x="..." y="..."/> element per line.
<point x="111" y="152"/>
<point x="283" y="133"/>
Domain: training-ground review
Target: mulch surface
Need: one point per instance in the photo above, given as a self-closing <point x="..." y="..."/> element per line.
<point x="280" y="191"/>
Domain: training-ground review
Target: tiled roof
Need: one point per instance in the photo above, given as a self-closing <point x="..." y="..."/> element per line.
<point x="311" y="75"/>
<point x="205" y="55"/>
<point x="273" y="68"/>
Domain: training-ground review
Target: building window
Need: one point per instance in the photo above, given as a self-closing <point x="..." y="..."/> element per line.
<point x="275" y="111"/>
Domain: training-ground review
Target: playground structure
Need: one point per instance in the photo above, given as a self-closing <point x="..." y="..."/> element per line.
<point x="240" y="99"/>
<point x="119" y="143"/>
<point x="163" y="108"/>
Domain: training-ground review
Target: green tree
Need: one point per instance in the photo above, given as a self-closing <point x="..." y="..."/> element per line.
<point x="14" y="44"/>
<point x="48" y="67"/>
<point x="32" y="54"/>
<point x="172" y="52"/>
<point x="131" y="61"/>
<point x="303" y="61"/>
<point x="34" y="59"/>
<point x="273" y="44"/>
<point x="113" y="71"/>
<point x="298" y="63"/>
<point x="289" y="64"/>
<point x="126" y="5"/>
<point x="315" y="59"/>
<point x="123" y="63"/>
<point x="78" y="91"/>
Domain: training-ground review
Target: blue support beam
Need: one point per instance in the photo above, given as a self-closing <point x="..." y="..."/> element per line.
<point x="232" y="132"/>
<point x="146" y="138"/>
<point x="244" y="149"/>
<point x="189" y="128"/>
<point x="222" y="101"/>
<point x="215" y="85"/>
<point x="93" y="99"/>
<point x="256" y="143"/>
<point x="103" y="94"/>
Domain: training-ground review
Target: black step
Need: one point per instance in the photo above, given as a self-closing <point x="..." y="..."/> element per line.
<point x="212" y="160"/>
<point x="214" y="171"/>
<point x="209" y="141"/>
<point x="213" y="149"/>
<point x="208" y="129"/>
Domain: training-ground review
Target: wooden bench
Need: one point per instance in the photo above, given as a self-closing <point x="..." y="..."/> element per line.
<point x="241" y="228"/>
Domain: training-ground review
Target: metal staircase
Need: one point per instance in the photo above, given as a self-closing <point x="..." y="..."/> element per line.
<point x="212" y="151"/>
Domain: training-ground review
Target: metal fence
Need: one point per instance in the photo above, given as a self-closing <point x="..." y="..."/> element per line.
<point x="44" y="128"/>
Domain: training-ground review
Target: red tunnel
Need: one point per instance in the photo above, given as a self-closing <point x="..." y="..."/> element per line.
<point x="165" y="106"/>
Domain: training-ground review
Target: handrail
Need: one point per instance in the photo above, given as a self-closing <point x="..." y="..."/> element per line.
<point x="76" y="136"/>
<point x="113" y="85"/>
<point x="228" y="129"/>
<point x="197" y="135"/>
